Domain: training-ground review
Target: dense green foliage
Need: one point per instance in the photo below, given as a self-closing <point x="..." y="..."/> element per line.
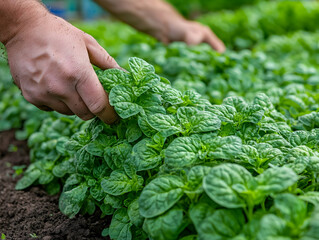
<point x="228" y="150"/>
<point x="193" y="7"/>
<point x="178" y="166"/>
<point x="247" y="26"/>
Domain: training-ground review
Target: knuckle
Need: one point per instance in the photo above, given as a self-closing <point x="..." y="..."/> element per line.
<point x="70" y="72"/>
<point x="110" y="59"/>
<point x="89" y="36"/>
<point x="90" y="39"/>
<point x="52" y="89"/>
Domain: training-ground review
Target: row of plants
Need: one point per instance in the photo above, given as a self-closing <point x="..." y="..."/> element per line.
<point x="245" y="27"/>
<point x="229" y="150"/>
<point x="177" y="166"/>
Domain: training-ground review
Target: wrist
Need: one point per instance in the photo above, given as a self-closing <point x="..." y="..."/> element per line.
<point x="17" y="18"/>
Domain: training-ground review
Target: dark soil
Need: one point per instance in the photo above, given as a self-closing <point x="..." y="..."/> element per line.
<point x="33" y="214"/>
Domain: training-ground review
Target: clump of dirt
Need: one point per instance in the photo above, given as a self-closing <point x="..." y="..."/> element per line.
<point x="33" y="214"/>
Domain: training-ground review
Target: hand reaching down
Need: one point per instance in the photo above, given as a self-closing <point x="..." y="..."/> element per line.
<point x="50" y="61"/>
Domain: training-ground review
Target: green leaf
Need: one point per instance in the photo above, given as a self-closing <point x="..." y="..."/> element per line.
<point x="119" y="183"/>
<point x="120" y="227"/>
<point x="71" y="201"/>
<point x="196" y="121"/>
<point x="28" y="179"/>
<point x="84" y="161"/>
<point x="133" y="131"/>
<point x="122" y="98"/>
<point x="145" y="126"/>
<point x="140" y="68"/>
<point x="220" y="181"/>
<point x="134" y="214"/>
<point x="105" y="232"/>
<point x="291" y="208"/>
<point x="298" y="138"/>
<point x="237" y="102"/>
<point x="95" y="149"/>
<point x="167" y="125"/>
<point x="195" y="179"/>
<point x="276" y="179"/>
<point x="309" y="121"/>
<point x="165" y="227"/>
<point x="96" y="192"/>
<point x="225" y="113"/>
<point x="275" y="140"/>
<point x="312" y="232"/>
<point x="113" y="77"/>
<point x="160" y="195"/>
<point x="113" y="201"/>
<point x="272" y="227"/>
<point x="145" y="157"/>
<point x="145" y="83"/>
<point x="183" y="151"/>
<point x="199" y="212"/>
<point x="222" y="224"/>
<point x="312" y="197"/>
<point x="172" y="96"/>
<point x="117" y="154"/>
<point x="263" y="100"/>
<point x="224" y="147"/>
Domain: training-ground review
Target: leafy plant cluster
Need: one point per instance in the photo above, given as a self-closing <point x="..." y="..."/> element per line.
<point x="290" y="84"/>
<point x="192" y="7"/>
<point x="247" y="26"/>
<point x="194" y="68"/>
<point x="177" y="166"/>
<point x="237" y="161"/>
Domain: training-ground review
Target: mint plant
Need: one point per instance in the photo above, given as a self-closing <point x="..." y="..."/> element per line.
<point x="177" y="166"/>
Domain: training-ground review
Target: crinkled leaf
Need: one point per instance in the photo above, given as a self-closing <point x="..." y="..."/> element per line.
<point x="145" y="157"/>
<point x="220" y="181"/>
<point x="122" y="98"/>
<point x="160" y="195"/>
<point x="196" y="121"/>
<point x="167" y="125"/>
<point x="276" y="179"/>
<point x="120" y="227"/>
<point x="165" y="227"/>
<point x="183" y="151"/>
<point x="119" y="183"/>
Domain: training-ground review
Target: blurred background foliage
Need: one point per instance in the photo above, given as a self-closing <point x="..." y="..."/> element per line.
<point x="88" y="9"/>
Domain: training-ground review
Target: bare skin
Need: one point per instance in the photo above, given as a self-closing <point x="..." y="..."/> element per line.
<point x="50" y="60"/>
<point x="160" y="20"/>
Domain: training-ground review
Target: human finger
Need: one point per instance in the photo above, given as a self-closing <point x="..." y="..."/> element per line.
<point x="98" y="55"/>
<point x="95" y="97"/>
<point x="76" y="104"/>
<point x="211" y="39"/>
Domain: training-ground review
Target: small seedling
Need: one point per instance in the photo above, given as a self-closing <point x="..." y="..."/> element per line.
<point x="18" y="170"/>
<point x="33" y="235"/>
<point x="12" y="148"/>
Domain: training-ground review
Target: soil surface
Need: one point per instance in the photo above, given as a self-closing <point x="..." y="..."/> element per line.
<point x="33" y="214"/>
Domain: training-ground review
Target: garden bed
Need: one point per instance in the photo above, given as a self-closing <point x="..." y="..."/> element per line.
<point x="33" y="213"/>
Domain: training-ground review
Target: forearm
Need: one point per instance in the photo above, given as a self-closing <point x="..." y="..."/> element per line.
<point x="149" y="16"/>
<point x="14" y="14"/>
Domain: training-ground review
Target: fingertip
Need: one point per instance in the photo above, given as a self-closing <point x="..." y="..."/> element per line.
<point x="221" y="48"/>
<point x="108" y="115"/>
<point x="96" y="99"/>
<point x="215" y="42"/>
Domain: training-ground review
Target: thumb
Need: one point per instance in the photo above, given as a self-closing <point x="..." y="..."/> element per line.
<point x="98" y="55"/>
